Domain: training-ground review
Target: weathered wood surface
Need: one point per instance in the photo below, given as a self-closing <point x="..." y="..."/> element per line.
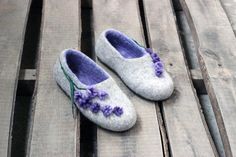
<point x="185" y="125"/>
<point x="13" y="19"/>
<point x="230" y="9"/>
<point x="199" y="84"/>
<point x="144" y="139"/>
<point x="54" y="131"/>
<point x="215" y="41"/>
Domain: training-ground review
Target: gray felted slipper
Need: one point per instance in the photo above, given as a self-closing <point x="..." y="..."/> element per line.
<point x="93" y="91"/>
<point x="140" y="68"/>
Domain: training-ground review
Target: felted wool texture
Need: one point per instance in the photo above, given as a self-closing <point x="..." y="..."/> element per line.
<point x="116" y="96"/>
<point x="137" y="73"/>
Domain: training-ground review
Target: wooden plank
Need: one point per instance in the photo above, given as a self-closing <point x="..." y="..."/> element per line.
<point x="13" y="19"/>
<point x="54" y="131"/>
<point x="230" y="9"/>
<point x="215" y="41"/>
<point x="144" y="139"/>
<point x="187" y="132"/>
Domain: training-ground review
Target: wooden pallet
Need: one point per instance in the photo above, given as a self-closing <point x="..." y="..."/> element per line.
<point x="195" y="39"/>
<point x="13" y="18"/>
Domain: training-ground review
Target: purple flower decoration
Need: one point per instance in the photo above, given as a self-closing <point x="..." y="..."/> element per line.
<point x="86" y="105"/>
<point x="80" y="97"/>
<point x="158" y="65"/>
<point x="107" y="110"/>
<point x="118" y="111"/>
<point x="155" y="58"/>
<point x="92" y="92"/>
<point x="149" y="50"/>
<point x="102" y="95"/>
<point x="154" y="55"/>
<point x="84" y="100"/>
<point x="95" y="107"/>
<point x="159" y="72"/>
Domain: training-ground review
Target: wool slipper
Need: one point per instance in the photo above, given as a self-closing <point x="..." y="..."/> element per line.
<point x="140" y="68"/>
<point x="93" y="91"/>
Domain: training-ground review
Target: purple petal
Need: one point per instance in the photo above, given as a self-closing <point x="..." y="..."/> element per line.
<point x="92" y="88"/>
<point x="102" y="95"/>
<point x="107" y="110"/>
<point x="149" y="50"/>
<point x="118" y="111"/>
<point x="154" y="55"/>
<point x="82" y="99"/>
<point x="79" y="97"/>
<point x="159" y="72"/>
<point x="85" y="105"/>
<point x="154" y="60"/>
<point x="92" y="92"/>
<point x="158" y="65"/>
<point x="95" y="107"/>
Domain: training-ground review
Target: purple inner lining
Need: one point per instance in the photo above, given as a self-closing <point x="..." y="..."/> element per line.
<point x="85" y="69"/>
<point x="127" y="47"/>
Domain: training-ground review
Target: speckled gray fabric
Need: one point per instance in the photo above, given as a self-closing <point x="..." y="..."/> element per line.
<point x="137" y="73"/>
<point x="116" y="98"/>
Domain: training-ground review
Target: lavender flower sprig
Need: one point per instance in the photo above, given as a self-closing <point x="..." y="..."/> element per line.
<point x="158" y="65"/>
<point x="85" y="101"/>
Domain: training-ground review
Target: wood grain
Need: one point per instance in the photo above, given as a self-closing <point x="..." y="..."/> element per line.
<point x="230" y="9"/>
<point x="215" y="40"/>
<point x="54" y="131"/>
<point x="144" y="139"/>
<point x="198" y="82"/>
<point x="13" y="19"/>
<point x="187" y="132"/>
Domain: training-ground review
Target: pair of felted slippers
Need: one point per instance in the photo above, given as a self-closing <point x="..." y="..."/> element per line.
<point x="97" y="95"/>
